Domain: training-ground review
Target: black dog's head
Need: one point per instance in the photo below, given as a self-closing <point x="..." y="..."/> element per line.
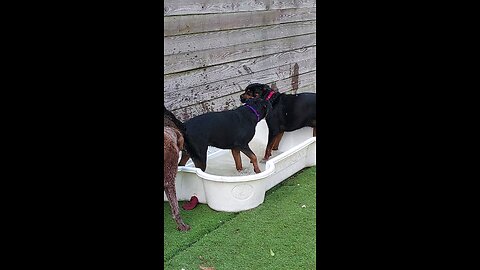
<point x="262" y="106"/>
<point x="255" y="90"/>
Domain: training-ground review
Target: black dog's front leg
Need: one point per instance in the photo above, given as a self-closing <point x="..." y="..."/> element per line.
<point x="276" y="140"/>
<point x="271" y="139"/>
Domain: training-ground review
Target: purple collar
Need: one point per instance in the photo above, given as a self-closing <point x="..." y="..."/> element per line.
<point x="256" y="113"/>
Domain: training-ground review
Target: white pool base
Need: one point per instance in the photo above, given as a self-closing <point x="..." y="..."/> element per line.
<point x="224" y="189"/>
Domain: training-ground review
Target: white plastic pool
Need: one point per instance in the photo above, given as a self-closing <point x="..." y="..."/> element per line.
<point x="225" y="189"/>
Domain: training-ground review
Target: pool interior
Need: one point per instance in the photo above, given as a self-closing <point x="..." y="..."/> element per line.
<point x="224" y="165"/>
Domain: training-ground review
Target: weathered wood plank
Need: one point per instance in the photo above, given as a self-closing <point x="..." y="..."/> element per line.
<point x="285" y="85"/>
<point x="189" y="24"/>
<point x="177" y="81"/>
<point x="232" y="101"/>
<point x="311" y="88"/>
<point x="220" y="39"/>
<point x="194" y="60"/>
<point x="221" y="104"/>
<point x="184" y="7"/>
<point x="190" y="96"/>
<point x="215" y="48"/>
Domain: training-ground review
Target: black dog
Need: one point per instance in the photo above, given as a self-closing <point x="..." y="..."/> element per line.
<point x="289" y="112"/>
<point x="232" y="129"/>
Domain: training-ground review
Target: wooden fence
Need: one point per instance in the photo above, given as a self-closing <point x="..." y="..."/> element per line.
<point x="214" y="48"/>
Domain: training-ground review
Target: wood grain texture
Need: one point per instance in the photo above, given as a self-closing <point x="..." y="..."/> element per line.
<point x="311" y="88"/>
<point x="189" y="24"/>
<point x="188" y="7"/>
<point x="194" y="60"/>
<point x="213" y="49"/>
<point x="175" y="82"/>
<point x="190" y="96"/>
<point x="232" y="101"/>
<point x="220" y="39"/>
<point x="285" y="85"/>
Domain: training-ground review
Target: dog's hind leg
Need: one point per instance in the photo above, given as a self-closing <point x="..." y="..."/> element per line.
<point x="237" y="159"/>
<point x="201" y="162"/>
<point x="253" y="158"/>
<point x="315" y="132"/>
<point x="169" y="187"/>
<point x="198" y="154"/>
<point x="170" y="171"/>
<point x="276" y="140"/>
<point x="184" y="159"/>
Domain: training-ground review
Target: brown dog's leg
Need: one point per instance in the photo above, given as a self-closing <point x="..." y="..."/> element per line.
<point x="253" y="159"/>
<point x="276" y="140"/>
<point x="315" y="132"/>
<point x="237" y="159"/>
<point x="172" y="199"/>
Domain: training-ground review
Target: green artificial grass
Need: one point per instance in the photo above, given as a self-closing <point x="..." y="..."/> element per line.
<point x="278" y="234"/>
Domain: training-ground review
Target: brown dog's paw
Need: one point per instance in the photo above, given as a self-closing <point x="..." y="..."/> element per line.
<point x="183" y="227"/>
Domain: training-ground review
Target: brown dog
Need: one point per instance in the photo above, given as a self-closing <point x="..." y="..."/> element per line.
<point x="173" y="143"/>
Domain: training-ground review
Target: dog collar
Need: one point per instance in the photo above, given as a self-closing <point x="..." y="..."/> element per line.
<point x="253" y="110"/>
<point x="270" y="95"/>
